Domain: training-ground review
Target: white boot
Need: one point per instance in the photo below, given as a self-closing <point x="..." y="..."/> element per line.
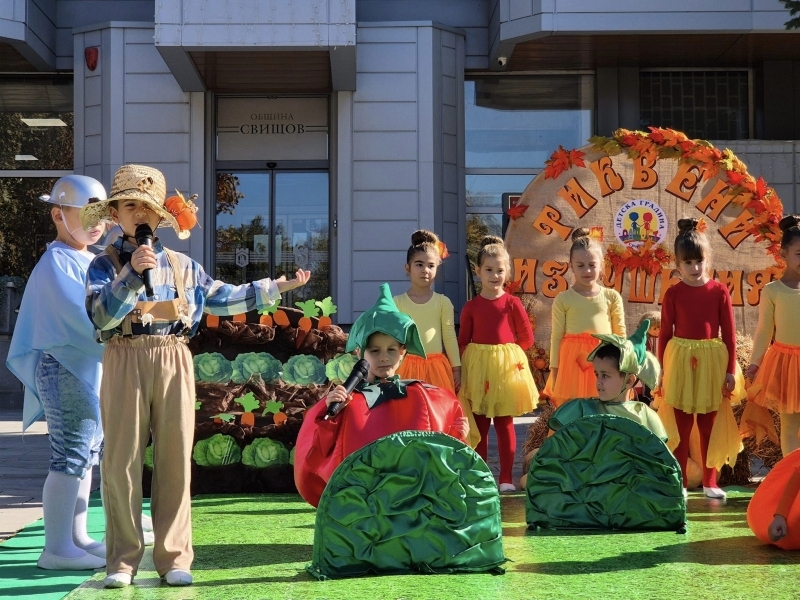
<point x="178" y="577"/>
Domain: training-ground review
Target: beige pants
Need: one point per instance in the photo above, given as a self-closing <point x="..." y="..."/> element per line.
<point x="148" y="386"/>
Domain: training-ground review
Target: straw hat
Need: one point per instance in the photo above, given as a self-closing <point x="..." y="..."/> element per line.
<point x="135" y="182"/>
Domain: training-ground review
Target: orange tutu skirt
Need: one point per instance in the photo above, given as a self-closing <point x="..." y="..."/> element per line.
<point x="761" y="508"/>
<point x="437" y="370"/>
<point x="777" y="382"/>
<point x="575" y="374"/>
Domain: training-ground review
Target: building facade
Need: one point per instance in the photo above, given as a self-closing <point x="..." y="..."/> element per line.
<point x="321" y="133"/>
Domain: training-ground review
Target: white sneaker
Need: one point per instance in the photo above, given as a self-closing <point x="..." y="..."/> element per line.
<point x="177" y="577"/>
<point x="50" y="561"/>
<point x="508" y="487"/>
<point x="714" y="492"/>
<point x="147" y="522"/>
<point x="118" y="580"/>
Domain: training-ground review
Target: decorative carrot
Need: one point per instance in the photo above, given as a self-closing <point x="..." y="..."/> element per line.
<point x="212" y="321"/>
<point x="310" y="310"/>
<point x="249" y="403"/>
<point x="275" y="408"/>
<point x="240" y="318"/>
<point x="266" y="314"/>
<point x="328" y="308"/>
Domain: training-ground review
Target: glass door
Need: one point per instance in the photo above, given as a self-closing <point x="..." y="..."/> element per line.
<point x="271" y="223"/>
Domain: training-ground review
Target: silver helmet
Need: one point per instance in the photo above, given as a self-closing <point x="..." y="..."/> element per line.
<point x="75" y="190"/>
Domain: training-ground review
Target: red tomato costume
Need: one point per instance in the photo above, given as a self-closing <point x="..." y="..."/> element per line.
<point x="322" y="445"/>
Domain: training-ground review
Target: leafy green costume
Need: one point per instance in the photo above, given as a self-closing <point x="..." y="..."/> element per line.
<point x="606" y="466"/>
<point x="410" y="502"/>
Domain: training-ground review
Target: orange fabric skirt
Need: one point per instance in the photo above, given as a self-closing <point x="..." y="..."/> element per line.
<point x="777" y="382"/>
<point x="437" y="370"/>
<point x="575" y="374"/>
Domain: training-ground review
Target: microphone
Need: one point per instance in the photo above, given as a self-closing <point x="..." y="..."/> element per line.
<point x="359" y="372"/>
<point x="144" y="237"/>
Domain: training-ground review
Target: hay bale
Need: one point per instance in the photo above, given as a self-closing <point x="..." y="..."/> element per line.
<point x="537" y="432"/>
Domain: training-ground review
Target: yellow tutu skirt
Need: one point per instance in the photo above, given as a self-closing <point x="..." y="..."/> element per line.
<point x="777" y="382"/>
<point x="437" y="370"/>
<point x="575" y="377"/>
<point x="496" y="380"/>
<point x="694" y="375"/>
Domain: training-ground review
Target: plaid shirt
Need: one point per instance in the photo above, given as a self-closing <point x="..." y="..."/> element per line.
<point x="111" y="295"/>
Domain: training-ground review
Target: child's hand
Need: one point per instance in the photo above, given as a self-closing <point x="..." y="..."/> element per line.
<point x="751" y="371"/>
<point x="778" y="529"/>
<point x="301" y="278"/>
<point x="730" y="382"/>
<point x="457" y="378"/>
<point x="338" y="394"/>
<point x="143" y="258"/>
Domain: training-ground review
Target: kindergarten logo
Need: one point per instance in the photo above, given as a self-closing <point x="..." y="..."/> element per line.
<point x="639" y="221"/>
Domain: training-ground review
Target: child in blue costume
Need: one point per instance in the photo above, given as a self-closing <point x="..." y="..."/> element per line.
<point x="618" y="363"/>
<point x="54" y="354"/>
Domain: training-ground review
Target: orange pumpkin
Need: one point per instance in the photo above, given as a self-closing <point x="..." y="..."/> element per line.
<point x="183" y="211"/>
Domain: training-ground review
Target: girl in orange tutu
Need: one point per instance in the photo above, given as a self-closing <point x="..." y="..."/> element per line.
<point x="699" y="369"/>
<point x="776" y="366"/>
<point x="584" y="309"/>
<point x="434" y="316"/>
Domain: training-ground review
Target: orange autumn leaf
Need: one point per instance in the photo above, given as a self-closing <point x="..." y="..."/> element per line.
<point x="702" y="226"/>
<point x="515" y="212"/>
<point x="485" y="387"/>
<point x="693" y="362"/>
<point x="520" y="366"/>
<point x="561" y="160"/>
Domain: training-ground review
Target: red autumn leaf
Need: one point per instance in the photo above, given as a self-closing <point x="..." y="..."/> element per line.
<point x="515" y="212"/>
<point x="735" y="178"/>
<point x="761" y="188"/>
<point x="512" y="287"/>
<point x="576" y="158"/>
<point x="693" y="362"/>
<point x="486" y="387"/>
<point x="656" y="135"/>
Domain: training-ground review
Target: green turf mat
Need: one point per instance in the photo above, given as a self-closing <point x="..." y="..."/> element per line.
<point x="258" y="546"/>
<point x="19" y="575"/>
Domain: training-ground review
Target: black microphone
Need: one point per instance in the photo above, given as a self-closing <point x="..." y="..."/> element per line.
<point x="359" y="372"/>
<point x="144" y="237"/>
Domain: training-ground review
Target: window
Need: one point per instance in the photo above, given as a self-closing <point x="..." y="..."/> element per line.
<point x="513" y="125"/>
<point x="710" y="105"/>
<point x="36" y="122"/>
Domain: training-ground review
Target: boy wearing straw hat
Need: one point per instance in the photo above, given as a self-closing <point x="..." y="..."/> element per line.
<point x="148" y="373"/>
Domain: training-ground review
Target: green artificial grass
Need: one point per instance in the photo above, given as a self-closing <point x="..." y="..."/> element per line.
<point x="258" y="546"/>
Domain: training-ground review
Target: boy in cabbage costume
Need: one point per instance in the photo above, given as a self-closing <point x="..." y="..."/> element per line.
<point x="618" y="364"/>
<point x="381" y="405"/>
<point x="607" y="465"/>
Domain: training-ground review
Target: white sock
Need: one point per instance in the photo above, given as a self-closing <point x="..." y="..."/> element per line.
<point x="79" y="534"/>
<point x="59" y="498"/>
<point x="147" y="522"/>
<point x="714" y="492"/>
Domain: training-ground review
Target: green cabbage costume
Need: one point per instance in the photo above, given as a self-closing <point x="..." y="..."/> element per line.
<point x="603" y="468"/>
<point x="410" y="502"/>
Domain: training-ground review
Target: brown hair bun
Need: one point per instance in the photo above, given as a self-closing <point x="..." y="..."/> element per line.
<point x="687" y="225"/>
<point x="580" y="232"/>
<point x="492" y="239"/>
<point x="423" y="236"/>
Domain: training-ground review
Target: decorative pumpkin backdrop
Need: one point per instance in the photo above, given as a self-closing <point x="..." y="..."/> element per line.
<point x="630" y="190"/>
